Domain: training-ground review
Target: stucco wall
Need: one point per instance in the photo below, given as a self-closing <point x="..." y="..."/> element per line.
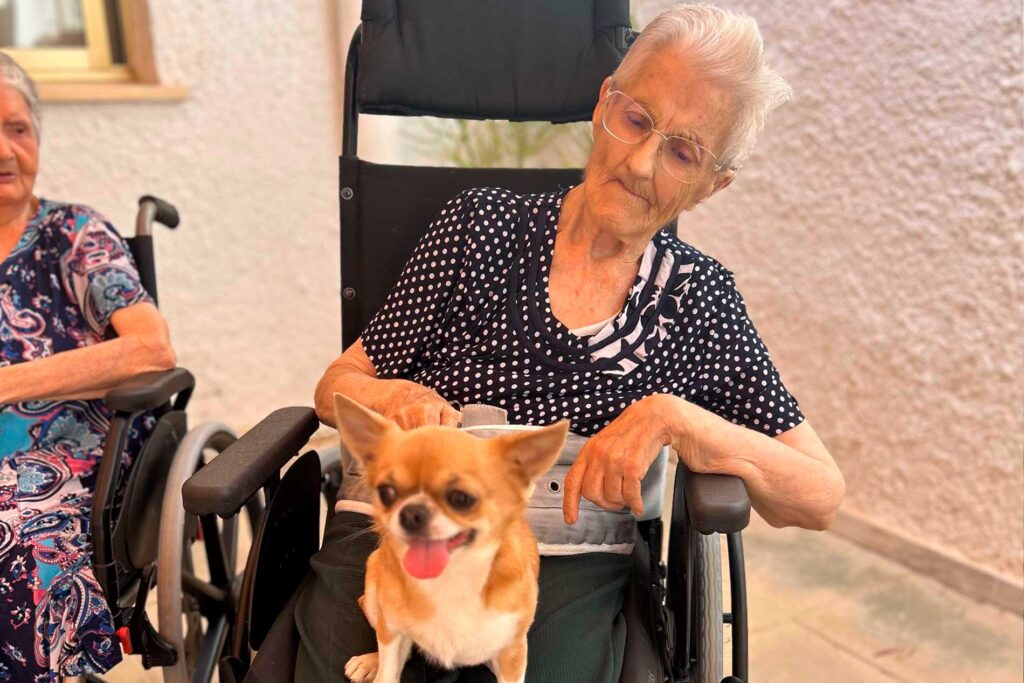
<point x="876" y="236"/>
<point x="249" y="282"/>
<point x="876" y="232"/>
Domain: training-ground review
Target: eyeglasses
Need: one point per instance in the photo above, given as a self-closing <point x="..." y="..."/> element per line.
<point x="628" y="122"/>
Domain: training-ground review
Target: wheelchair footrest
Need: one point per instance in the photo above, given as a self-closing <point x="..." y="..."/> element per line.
<point x="139" y="637"/>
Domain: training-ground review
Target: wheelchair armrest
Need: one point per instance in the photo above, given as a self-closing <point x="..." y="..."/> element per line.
<point x="716" y="502"/>
<point x="149" y="390"/>
<point x="223" y="485"/>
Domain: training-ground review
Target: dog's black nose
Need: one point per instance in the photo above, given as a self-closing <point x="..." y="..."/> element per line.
<point x="414" y="518"/>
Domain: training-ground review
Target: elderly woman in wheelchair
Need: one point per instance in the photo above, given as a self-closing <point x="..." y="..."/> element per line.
<point x="576" y="305"/>
<point x="74" y="322"/>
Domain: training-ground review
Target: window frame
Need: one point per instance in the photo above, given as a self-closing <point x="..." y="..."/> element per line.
<point x="89" y="74"/>
<point x="93" y="62"/>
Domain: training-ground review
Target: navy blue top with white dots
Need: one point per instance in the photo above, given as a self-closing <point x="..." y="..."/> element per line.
<point x="470" y="318"/>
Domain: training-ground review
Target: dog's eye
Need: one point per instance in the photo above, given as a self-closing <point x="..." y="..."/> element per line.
<point x="387" y="494"/>
<point x="460" y="500"/>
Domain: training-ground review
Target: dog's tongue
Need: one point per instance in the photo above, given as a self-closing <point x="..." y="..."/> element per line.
<point x="426" y="559"/>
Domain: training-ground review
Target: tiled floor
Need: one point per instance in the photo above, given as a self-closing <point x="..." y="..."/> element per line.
<point x="823" y="610"/>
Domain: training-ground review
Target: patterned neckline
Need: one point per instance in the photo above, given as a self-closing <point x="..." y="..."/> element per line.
<point x="31" y="231"/>
<point x="622" y="344"/>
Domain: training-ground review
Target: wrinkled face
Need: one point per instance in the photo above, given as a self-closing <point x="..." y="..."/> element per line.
<point x="19" y="149"/>
<point x="625" y="184"/>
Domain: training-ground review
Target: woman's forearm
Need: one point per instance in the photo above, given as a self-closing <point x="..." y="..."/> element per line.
<point x="404" y="401"/>
<point x="353" y="375"/>
<point x="84" y="373"/>
<point x="348" y="376"/>
<point x="786" y="487"/>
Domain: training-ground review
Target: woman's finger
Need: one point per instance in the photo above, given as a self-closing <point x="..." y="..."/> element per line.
<point x="449" y="416"/>
<point x="612" y="490"/>
<point x="402" y="419"/>
<point x="633" y="495"/>
<point x="593" y="485"/>
<point x="428" y="414"/>
<point x="572" y="489"/>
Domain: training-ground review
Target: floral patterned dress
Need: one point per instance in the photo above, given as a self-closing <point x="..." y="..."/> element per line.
<point x="59" y="286"/>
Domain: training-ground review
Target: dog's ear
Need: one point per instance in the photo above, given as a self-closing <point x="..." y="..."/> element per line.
<point x="534" y="452"/>
<point x="360" y="428"/>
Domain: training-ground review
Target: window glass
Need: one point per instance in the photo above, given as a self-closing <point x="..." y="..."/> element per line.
<point x="30" y="24"/>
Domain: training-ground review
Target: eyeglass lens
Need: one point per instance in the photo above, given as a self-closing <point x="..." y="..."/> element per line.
<point x="628" y="122"/>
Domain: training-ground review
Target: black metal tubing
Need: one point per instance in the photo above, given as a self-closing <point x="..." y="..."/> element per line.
<point x="102" y="512"/>
<point x="141" y="244"/>
<point x="738" y="589"/>
<point x="215" y="553"/>
<point x="678" y="579"/>
<point x="348" y="182"/>
<point x="152" y="209"/>
<point x="691" y="613"/>
<point x="210" y="651"/>
<point x="141" y="247"/>
<point x="213" y="600"/>
<point x="181" y="400"/>
<point x="240" y="629"/>
<point x="350" y="108"/>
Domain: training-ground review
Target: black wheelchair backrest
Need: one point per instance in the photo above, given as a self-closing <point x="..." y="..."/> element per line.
<point x="389" y="209"/>
<point x="532" y="60"/>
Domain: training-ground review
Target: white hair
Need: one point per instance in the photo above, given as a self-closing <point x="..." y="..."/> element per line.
<point x="726" y="47"/>
<point x="12" y="75"/>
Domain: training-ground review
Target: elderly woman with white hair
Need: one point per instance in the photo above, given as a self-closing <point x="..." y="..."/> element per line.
<point x="576" y="305"/>
<point x="74" y="322"/>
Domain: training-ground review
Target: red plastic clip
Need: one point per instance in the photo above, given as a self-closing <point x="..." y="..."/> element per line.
<point x="126" y="639"/>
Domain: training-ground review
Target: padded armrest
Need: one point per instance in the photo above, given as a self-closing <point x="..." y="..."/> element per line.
<point x="149" y="390"/>
<point x="717" y="503"/>
<point x="222" y="486"/>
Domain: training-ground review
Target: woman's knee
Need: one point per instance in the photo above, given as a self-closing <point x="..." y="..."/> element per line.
<point x="578" y="635"/>
<point x="330" y="624"/>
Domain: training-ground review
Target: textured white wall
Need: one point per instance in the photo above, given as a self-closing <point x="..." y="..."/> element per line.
<point x="876" y="232"/>
<point x="249" y="282"/>
<point x="876" y="235"/>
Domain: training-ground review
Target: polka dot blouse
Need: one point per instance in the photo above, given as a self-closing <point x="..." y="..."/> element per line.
<point x="470" y="317"/>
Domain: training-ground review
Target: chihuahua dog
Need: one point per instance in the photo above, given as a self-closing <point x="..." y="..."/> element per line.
<point x="456" y="569"/>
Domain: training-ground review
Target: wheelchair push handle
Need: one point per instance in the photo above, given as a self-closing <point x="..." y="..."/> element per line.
<point x="154" y="209"/>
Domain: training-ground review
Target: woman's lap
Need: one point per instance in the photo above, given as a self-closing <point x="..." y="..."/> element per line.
<point x="53" y="615"/>
<point x="578" y="634"/>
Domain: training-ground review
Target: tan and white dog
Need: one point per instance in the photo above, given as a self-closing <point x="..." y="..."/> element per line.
<point x="456" y="569"/>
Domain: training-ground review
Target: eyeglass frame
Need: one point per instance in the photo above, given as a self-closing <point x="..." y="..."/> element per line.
<point x="665" y="138"/>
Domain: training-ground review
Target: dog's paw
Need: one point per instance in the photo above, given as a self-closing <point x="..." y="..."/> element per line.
<point x="362" y="668"/>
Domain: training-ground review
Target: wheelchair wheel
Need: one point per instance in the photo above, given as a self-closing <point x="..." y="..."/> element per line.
<point x="197" y="577"/>
<point x="708" y="621"/>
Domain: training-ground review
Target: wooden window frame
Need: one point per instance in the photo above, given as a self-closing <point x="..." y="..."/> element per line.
<point x="88" y="74"/>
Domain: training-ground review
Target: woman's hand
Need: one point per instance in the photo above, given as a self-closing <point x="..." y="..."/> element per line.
<point x="413" y="405"/>
<point x="613" y="462"/>
<point x="409" y="404"/>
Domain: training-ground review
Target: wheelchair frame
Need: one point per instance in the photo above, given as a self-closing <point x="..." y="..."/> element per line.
<point x="129" y="545"/>
<point x="703" y="503"/>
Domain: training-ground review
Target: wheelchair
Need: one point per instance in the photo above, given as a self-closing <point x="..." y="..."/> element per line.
<point x="552" y="57"/>
<point x="138" y="522"/>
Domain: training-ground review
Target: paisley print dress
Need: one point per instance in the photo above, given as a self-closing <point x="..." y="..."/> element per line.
<point x="59" y="287"/>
